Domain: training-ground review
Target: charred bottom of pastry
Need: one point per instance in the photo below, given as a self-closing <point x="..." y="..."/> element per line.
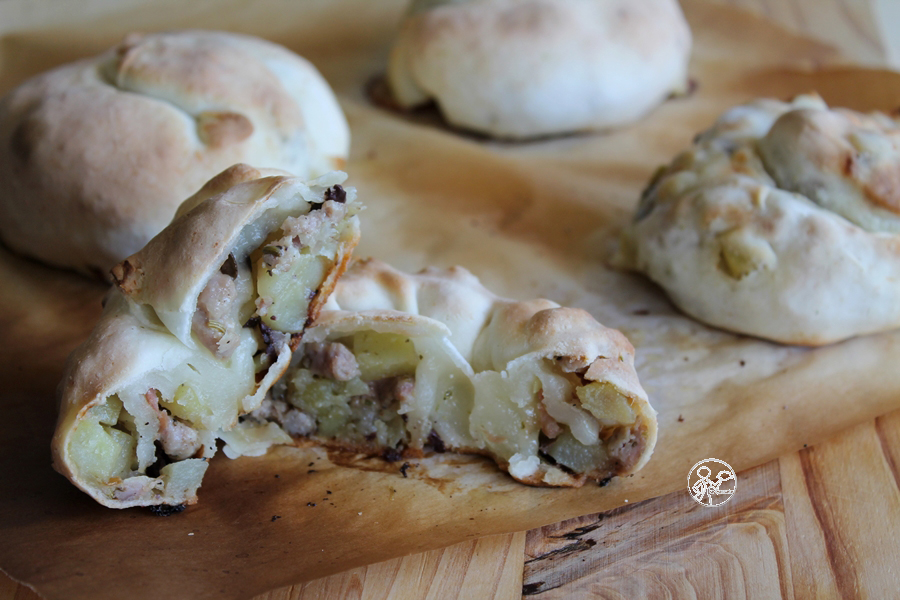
<point x="374" y="393"/>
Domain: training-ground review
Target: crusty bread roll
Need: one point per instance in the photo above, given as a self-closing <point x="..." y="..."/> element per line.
<point x="95" y="156"/>
<point x="527" y="68"/>
<point x="781" y="221"/>
<point x="199" y="326"/>
<point x="398" y="363"/>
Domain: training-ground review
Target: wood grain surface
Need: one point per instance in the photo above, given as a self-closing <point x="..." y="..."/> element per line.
<point x="821" y="523"/>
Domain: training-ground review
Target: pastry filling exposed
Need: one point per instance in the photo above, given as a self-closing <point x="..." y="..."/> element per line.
<point x="389" y="395"/>
<point x="155" y="435"/>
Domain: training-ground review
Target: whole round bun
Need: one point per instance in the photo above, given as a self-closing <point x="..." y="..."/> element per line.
<point x="528" y="68"/>
<point x="781" y="221"/>
<point x="96" y="155"/>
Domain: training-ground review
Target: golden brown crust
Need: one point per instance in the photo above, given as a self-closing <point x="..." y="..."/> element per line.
<point x="169" y="273"/>
<point x="97" y="155"/>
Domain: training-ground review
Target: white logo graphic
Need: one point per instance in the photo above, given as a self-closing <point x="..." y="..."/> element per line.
<point x="708" y="491"/>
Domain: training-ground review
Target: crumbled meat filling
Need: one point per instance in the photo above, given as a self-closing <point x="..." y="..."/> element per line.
<point x="549" y="426"/>
<point x="215" y="321"/>
<point x="293" y="421"/>
<point x="626" y="446"/>
<point x="179" y="440"/>
<point x="395" y="391"/>
<point x="331" y="360"/>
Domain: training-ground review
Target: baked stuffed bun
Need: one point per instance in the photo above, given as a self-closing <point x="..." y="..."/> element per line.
<point x="200" y="325"/>
<point x="97" y="155"/>
<point x="781" y="221"/>
<point x="526" y="68"/>
<point x="399" y="364"/>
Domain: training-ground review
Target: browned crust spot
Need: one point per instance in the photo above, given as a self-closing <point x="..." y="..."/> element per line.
<point x="127" y="277"/>
<point x="219" y="129"/>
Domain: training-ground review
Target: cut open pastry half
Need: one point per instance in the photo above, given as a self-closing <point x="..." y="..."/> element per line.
<point x="400" y="364"/>
<point x="200" y="324"/>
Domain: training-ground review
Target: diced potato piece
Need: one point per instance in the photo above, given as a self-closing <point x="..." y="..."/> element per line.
<point x="100" y="451"/>
<point x="568" y="451"/>
<point x="742" y="253"/>
<point x="498" y="421"/>
<point x="289" y="289"/>
<point x="108" y="412"/>
<point x="381" y="355"/>
<point x="188" y="405"/>
<point x="183" y="477"/>
<point x="346" y="410"/>
<point x="607" y="403"/>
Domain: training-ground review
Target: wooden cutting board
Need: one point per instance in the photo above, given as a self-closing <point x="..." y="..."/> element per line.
<point x="818" y="523"/>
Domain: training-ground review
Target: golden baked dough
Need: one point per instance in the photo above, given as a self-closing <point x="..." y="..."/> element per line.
<point x="780" y="221"/>
<point x="527" y="68"/>
<point x="97" y="155"/>
<point x="397" y="364"/>
<point x="200" y="325"/>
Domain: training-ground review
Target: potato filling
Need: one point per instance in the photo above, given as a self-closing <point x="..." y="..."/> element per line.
<point x="275" y="280"/>
<point x="618" y="439"/>
<point x="103" y="444"/>
<point x="157" y="433"/>
<point x="360" y="392"/>
<point x="351" y="391"/>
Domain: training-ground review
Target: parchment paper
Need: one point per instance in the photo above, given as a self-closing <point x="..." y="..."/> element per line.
<point x="536" y="219"/>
